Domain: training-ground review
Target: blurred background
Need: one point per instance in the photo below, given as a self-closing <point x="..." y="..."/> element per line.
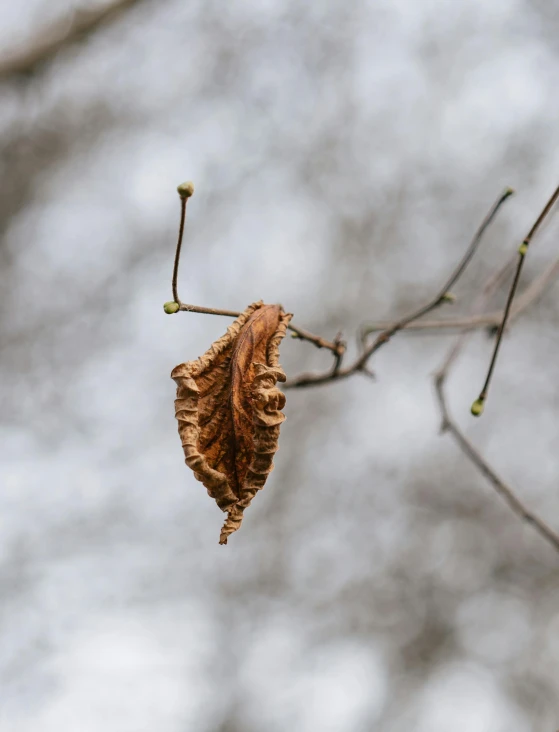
<point x="343" y="156"/>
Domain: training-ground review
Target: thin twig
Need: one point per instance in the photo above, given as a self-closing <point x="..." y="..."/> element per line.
<point x="62" y="33"/>
<point x="337" y="348"/>
<point x="477" y="406"/>
<point x="504" y="490"/>
<point x="442" y="296"/>
<point x="184" y="198"/>
<point x="186" y="190"/>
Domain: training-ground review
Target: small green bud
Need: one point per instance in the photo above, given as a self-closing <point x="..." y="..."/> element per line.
<point x="523" y="248"/>
<point x="186" y="189"/>
<point x="509" y="192"/>
<point x="449" y="297"/>
<point x="171" y="307"/>
<point x="477" y="407"/>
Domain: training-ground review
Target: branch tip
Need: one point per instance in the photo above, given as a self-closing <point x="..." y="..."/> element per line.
<point x="186" y="189"/>
<point x="171" y="307"/>
<point x="477" y="408"/>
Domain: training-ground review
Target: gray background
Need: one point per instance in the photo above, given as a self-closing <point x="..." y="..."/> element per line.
<point x="343" y="154"/>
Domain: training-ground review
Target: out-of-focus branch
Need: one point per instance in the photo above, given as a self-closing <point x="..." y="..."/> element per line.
<point x="473" y="322"/>
<point x="504" y="490"/>
<point x="449" y="425"/>
<point x="443" y="296"/>
<point x="62" y="33"/>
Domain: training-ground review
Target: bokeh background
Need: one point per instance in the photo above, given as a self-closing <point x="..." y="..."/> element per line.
<point x="343" y="155"/>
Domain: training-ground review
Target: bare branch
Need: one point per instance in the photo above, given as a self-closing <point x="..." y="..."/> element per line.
<point x="442" y="297"/>
<point x="185" y="190"/>
<point x="62" y="33"/>
<point x="361" y="363"/>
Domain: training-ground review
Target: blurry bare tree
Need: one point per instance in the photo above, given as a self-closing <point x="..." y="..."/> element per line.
<point x="378" y="583"/>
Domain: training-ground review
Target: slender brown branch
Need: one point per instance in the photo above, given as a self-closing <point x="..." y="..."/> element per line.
<point x="477" y="406"/>
<point x="460" y="269"/>
<point x="442" y="296"/>
<point x="337" y="347"/>
<point x="209" y="311"/>
<point x="62" y="33"/>
<point x="184" y="199"/>
<point x="504" y="490"/>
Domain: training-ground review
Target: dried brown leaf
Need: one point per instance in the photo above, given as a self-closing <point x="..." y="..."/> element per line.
<point x="228" y="410"/>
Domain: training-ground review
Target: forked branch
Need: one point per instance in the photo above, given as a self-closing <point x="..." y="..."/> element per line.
<point x="186" y="190"/>
<point x="443" y="296"/>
